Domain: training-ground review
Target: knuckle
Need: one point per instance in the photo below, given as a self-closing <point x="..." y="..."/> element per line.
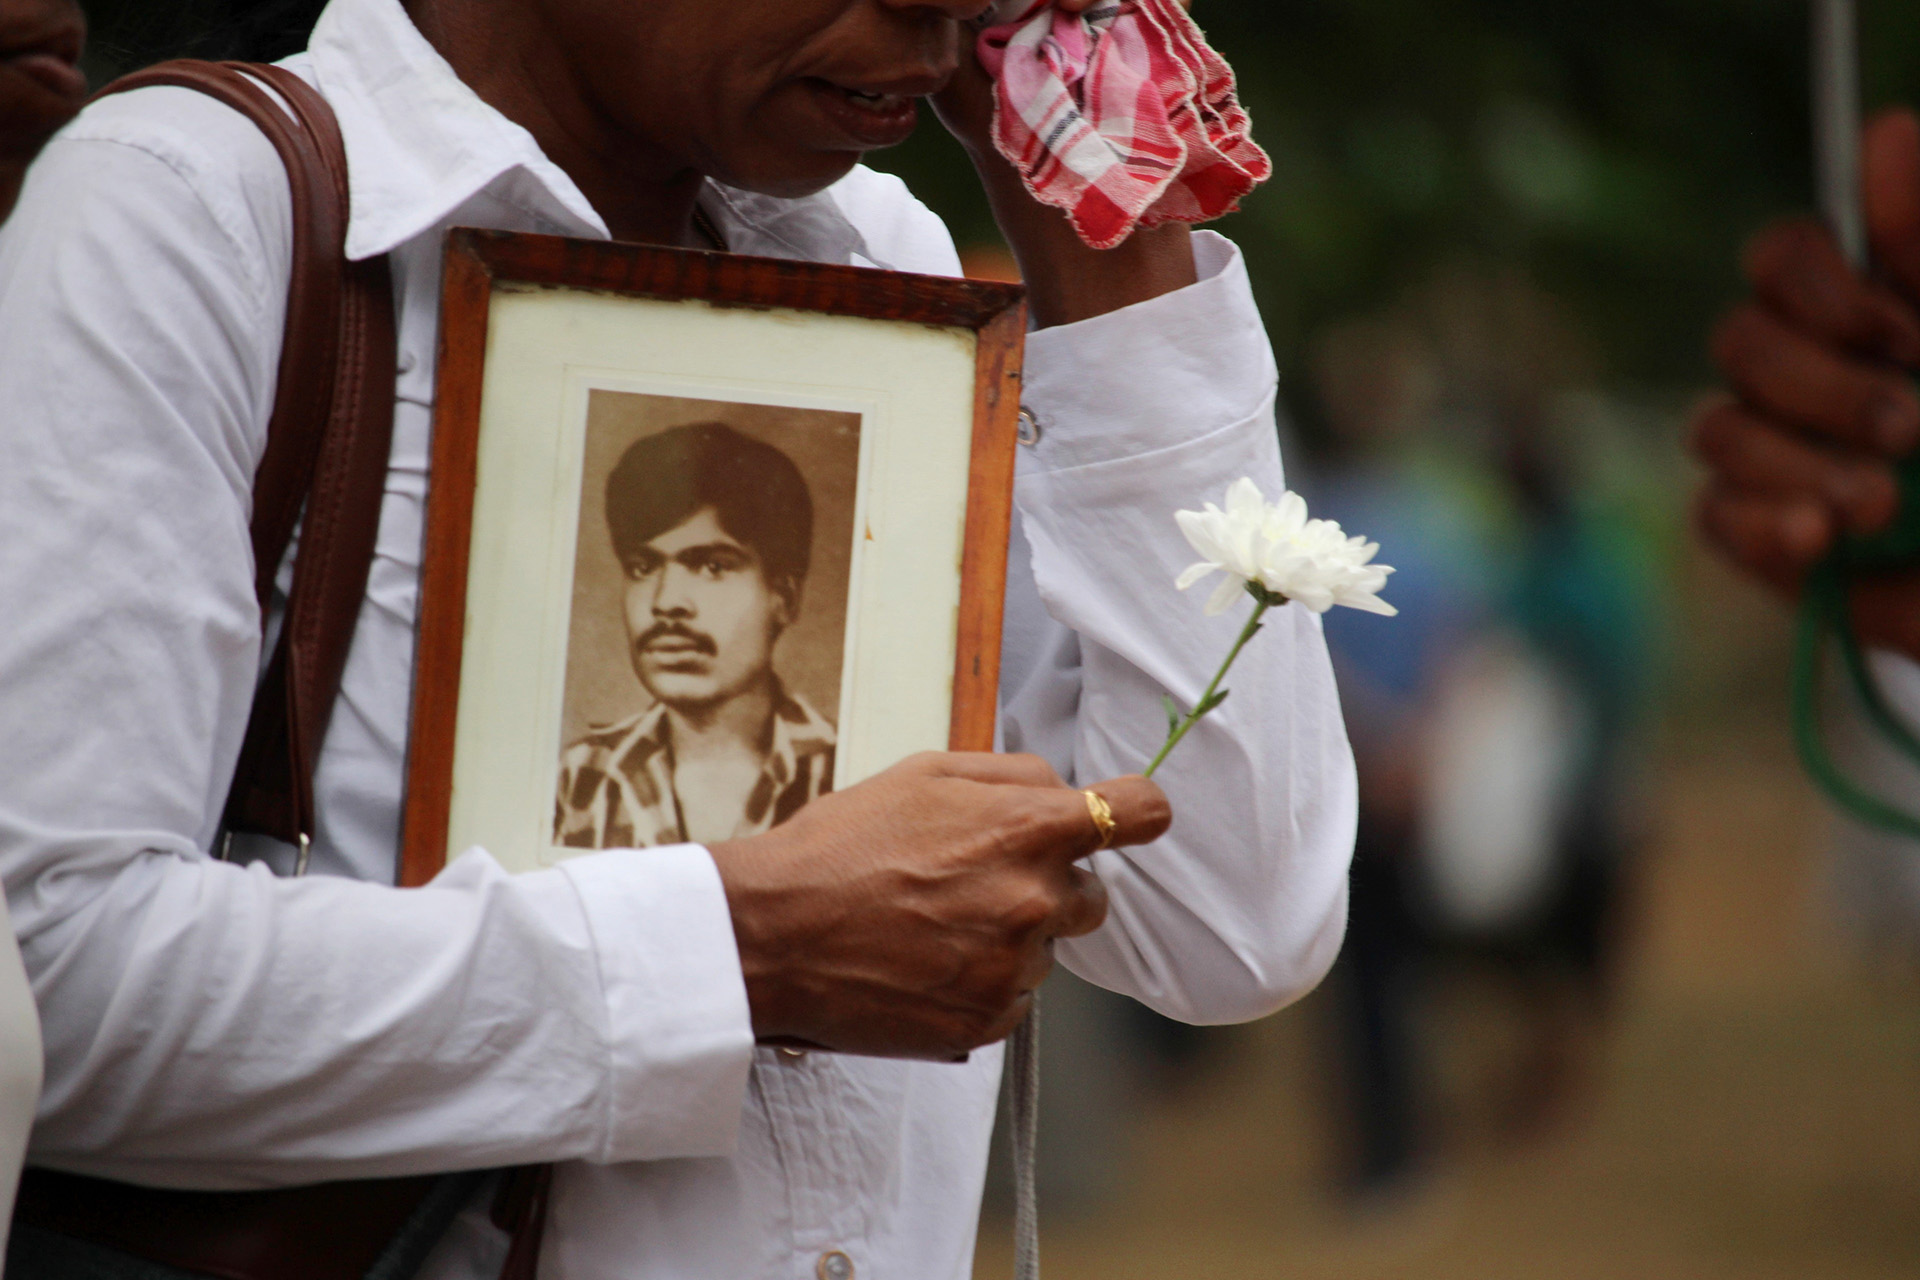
<point x="1030" y="909"/>
<point x="1036" y="769"/>
<point x="1033" y="824"/>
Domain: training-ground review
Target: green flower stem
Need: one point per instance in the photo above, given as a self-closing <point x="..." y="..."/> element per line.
<point x="1212" y="698"/>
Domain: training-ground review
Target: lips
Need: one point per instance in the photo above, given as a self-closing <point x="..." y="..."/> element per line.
<point x="865" y="119"/>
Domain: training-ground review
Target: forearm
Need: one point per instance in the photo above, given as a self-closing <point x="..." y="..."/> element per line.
<point x="1068" y="282"/>
<point x="212" y="1026"/>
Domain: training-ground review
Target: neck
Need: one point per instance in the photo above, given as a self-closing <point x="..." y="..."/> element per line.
<point x="507" y="57"/>
<point x="742" y="723"/>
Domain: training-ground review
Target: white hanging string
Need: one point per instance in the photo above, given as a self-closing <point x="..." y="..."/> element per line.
<point x="1023" y="1073"/>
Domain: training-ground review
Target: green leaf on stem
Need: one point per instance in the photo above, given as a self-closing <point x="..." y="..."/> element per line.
<point x="1173" y="713"/>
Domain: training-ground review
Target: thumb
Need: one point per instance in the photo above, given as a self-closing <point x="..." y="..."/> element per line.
<point x="1890" y="179"/>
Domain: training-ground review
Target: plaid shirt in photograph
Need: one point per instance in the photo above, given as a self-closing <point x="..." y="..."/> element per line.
<point x="616" y="784"/>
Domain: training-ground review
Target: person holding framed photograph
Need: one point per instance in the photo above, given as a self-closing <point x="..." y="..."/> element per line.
<point x="650" y="1021"/>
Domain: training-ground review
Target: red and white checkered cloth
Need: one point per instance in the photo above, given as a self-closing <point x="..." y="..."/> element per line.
<point x="1122" y="115"/>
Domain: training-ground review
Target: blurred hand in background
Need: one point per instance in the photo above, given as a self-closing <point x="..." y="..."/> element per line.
<point x="41" y="87"/>
<point x="1823" y="404"/>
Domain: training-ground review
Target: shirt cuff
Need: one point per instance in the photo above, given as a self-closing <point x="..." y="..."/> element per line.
<point x="1152" y="375"/>
<point x="680" y="1032"/>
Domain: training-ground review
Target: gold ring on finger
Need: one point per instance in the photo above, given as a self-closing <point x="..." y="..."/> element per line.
<point x="1102" y="814"/>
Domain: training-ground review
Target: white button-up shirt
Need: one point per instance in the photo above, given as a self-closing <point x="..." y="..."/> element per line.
<point x="216" y="1025"/>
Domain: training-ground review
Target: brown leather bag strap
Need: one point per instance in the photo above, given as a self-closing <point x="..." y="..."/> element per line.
<point x="309" y="354"/>
<point x="273" y="782"/>
<point x="325" y="462"/>
<point x="520" y="1210"/>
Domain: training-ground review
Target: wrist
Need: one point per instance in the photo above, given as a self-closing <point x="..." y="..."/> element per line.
<point x="1066" y="280"/>
<point x="754" y="913"/>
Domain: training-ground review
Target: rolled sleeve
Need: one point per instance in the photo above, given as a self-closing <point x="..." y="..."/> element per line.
<point x="1155" y="374"/>
<point x="679" y="1028"/>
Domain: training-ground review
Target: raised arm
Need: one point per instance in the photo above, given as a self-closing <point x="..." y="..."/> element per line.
<point x="1154" y="388"/>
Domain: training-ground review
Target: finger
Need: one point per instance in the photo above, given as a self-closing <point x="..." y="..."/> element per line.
<point x="1750" y="455"/>
<point x="1007" y="770"/>
<point x="1140" y="811"/>
<point x="1890" y="186"/>
<point x="1084" y="907"/>
<point x="1010" y="1021"/>
<point x="1787" y="375"/>
<point x="1140" y="808"/>
<point x="1797" y="270"/>
<point x="1037" y="960"/>
<point x="1886" y="611"/>
<point x="1775" y="539"/>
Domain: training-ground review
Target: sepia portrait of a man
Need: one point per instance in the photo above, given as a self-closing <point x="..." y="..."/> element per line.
<point x="713" y="532"/>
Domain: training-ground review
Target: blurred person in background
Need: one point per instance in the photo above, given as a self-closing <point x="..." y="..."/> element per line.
<point x="41" y="87"/>
<point x="1377" y="385"/>
<point x="1493" y="719"/>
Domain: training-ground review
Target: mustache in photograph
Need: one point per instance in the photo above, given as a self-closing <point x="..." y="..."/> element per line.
<point x="680" y="631"/>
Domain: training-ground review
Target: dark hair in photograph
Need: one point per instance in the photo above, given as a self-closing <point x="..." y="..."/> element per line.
<point x="756" y="493"/>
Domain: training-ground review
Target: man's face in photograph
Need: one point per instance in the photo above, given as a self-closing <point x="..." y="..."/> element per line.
<point x="702" y="618"/>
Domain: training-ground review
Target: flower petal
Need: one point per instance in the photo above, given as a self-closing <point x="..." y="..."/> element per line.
<point x="1194" y="573"/>
<point x="1372" y="604"/>
<point x="1244" y="500"/>
<point x="1224" y="595"/>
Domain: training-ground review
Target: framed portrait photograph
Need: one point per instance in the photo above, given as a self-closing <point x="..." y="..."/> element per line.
<point x="709" y="536"/>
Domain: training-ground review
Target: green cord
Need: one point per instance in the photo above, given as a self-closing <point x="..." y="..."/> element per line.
<point x="1824" y="612"/>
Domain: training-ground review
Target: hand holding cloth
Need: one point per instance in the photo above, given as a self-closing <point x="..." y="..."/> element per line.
<point x="1122" y="115"/>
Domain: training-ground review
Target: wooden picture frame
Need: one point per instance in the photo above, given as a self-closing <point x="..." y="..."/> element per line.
<point x="553" y="352"/>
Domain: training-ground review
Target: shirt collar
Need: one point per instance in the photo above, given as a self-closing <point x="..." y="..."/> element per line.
<point x="421" y="144"/>
<point x="798" y="732"/>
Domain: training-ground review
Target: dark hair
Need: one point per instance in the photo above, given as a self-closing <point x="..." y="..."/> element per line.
<point x="755" y="491"/>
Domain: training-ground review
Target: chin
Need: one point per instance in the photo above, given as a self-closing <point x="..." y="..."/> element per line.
<point x="792" y="176"/>
<point x="683" y="693"/>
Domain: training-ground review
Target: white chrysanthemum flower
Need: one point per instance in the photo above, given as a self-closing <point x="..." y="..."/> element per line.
<point x="1275" y="546"/>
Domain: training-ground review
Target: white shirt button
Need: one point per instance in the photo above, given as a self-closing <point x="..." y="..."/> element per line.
<point x="834" y="1265"/>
